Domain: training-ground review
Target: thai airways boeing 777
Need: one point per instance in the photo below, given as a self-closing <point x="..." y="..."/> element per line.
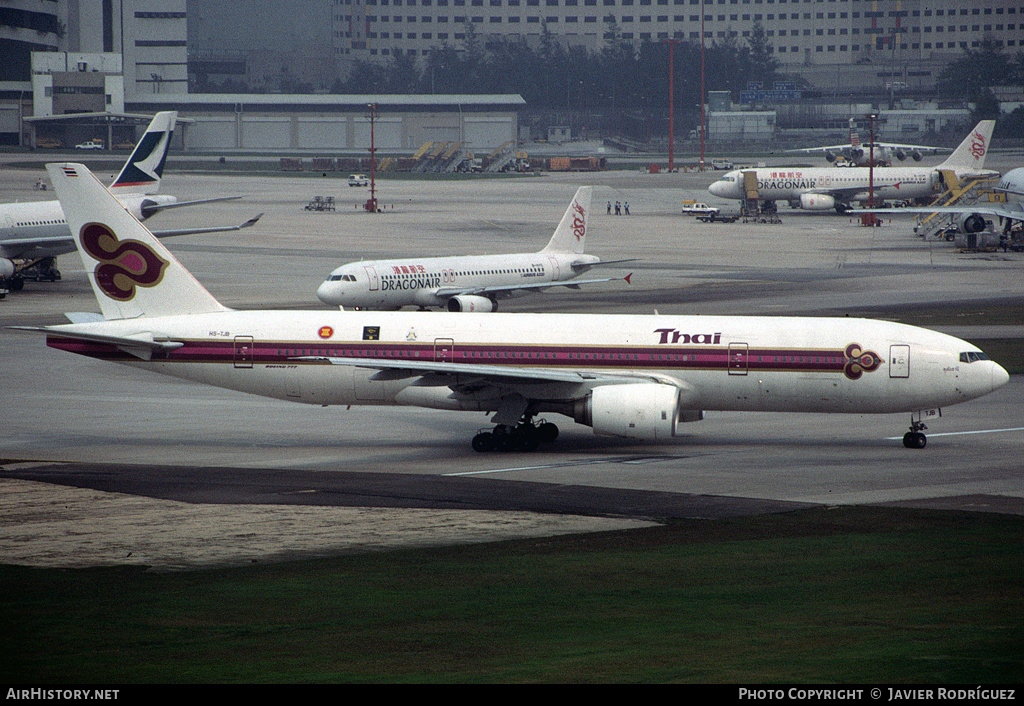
<point x="630" y="376"/>
<point x="470" y="282"/>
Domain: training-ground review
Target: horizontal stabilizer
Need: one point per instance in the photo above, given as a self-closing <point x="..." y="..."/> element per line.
<point x="141" y="345"/>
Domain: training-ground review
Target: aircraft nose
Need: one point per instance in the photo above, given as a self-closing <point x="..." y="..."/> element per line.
<point x="999" y="376"/>
<point x="327" y="292"/>
<point x="717" y="188"/>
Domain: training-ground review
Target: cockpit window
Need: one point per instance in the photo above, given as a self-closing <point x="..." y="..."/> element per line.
<point x="341" y="278"/>
<point x="971" y="356"/>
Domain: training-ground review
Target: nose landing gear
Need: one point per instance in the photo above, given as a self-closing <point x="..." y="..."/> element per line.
<point x="915" y="439"/>
<point x="525" y="436"/>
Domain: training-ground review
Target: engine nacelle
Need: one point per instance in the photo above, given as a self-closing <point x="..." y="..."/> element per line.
<point x="916" y="155"/>
<point x="471" y="302"/>
<point x="6" y="268"/>
<point x="972" y="223"/>
<point x="829" y="157"/>
<point x="142" y="207"/>
<point x="817" y="202"/>
<point x="901" y="155"/>
<point x="640" y="411"/>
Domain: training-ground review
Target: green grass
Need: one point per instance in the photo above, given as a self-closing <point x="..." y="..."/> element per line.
<point x="841" y="595"/>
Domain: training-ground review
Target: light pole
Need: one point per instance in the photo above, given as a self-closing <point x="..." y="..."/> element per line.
<point x="371" y="204"/>
<point x="671" y="104"/>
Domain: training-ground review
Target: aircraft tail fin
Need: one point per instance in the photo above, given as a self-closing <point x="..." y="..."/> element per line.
<point x="142" y="172"/>
<point x="571" y="234"/>
<point x="131" y="272"/>
<point x="970" y="155"/>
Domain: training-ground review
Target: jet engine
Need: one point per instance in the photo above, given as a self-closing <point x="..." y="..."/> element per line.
<point x="6" y="268"/>
<point x="142" y="207"/>
<point x="972" y="223"/>
<point x="639" y="411"/>
<point x="901" y="155"/>
<point x="916" y="155"/>
<point x="471" y="302"/>
<point x="829" y="157"/>
<point x="817" y="202"/>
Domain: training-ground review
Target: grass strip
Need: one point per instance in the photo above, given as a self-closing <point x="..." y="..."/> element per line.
<point x="849" y="594"/>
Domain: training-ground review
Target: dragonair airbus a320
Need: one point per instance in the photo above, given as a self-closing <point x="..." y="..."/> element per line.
<point x="827" y="188"/>
<point x="633" y="376"/>
<point x="470" y="282"/>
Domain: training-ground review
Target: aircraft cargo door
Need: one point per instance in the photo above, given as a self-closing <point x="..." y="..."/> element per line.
<point x="554" y="268"/>
<point x="899" y="361"/>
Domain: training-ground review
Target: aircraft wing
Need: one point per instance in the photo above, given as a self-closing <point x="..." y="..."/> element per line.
<point x="14" y="243"/>
<point x="154" y="208"/>
<point x="822" y="149"/>
<point x="898" y="146"/>
<point x="218" y="229"/>
<point x="1011" y="211"/>
<point x="470" y="375"/>
<point x="445" y="292"/>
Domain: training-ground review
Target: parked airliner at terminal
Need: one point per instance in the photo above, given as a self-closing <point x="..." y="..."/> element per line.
<point x="828" y="188"/>
<point x="632" y="376"/>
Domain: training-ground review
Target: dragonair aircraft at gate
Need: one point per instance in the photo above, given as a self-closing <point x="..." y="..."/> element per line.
<point x="634" y="376"/>
<point x="827" y="188"/>
<point x="471" y="282"/>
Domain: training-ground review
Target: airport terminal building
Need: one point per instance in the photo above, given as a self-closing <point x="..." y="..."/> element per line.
<point x="856" y="40"/>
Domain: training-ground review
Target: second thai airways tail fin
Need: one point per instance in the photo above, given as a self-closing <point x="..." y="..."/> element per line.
<point x="571" y="234"/>
<point x="142" y="172"/>
<point x="131" y="272"/>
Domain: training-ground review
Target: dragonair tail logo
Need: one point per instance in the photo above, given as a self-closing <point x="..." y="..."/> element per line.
<point x="579" y="221"/>
<point x="123" y="265"/>
<point x="978" y="146"/>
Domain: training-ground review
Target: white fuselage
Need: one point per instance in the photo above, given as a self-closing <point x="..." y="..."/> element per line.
<point x="39" y="228"/>
<point x="855" y="183"/>
<point x="720" y="362"/>
<point x="425" y="282"/>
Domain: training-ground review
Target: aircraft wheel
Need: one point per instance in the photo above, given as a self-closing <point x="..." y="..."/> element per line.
<point x="16" y="284"/>
<point x="547" y="432"/>
<point x="483" y="442"/>
<point x="526" y="439"/>
<point x="914" y="440"/>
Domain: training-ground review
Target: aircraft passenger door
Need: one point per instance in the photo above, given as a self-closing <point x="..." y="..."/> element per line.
<point x="554" y="268"/>
<point x="243" y="351"/>
<point x="738" y="358"/>
<point x="371" y="275"/>
<point x="444" y="350"/>
<point x="899" y="361"/>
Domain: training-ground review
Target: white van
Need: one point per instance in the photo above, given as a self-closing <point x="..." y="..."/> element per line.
<point x="358" y="180"/>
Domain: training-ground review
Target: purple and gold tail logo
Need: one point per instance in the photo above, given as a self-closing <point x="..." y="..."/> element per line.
<point x="123" y="265"/>
<point x="859" y="361"/>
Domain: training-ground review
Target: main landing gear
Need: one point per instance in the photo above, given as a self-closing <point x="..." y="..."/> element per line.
<point x="915" y="439"/>
<point x="525" y="436"/>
